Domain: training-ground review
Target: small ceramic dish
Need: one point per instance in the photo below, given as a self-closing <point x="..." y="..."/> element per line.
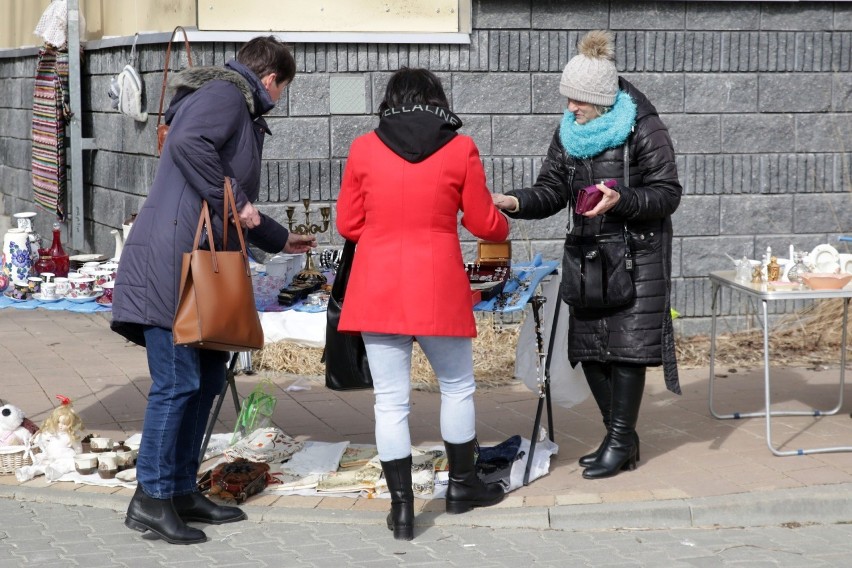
<point x="85" y="299"/>
<point x="824" y="281"/>
<point x="38" y="297"/>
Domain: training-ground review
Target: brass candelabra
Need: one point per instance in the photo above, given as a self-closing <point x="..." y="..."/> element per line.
<point x="309" y="273"/>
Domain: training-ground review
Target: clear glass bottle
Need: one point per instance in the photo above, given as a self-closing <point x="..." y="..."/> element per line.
<point x="743" y="273"/>
<point x="799" y="267"/>
<point x="58" y="254"/>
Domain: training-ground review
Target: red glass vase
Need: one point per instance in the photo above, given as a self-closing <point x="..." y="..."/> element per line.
<point x="45" y="263"/>
<point x="57" y="253"/>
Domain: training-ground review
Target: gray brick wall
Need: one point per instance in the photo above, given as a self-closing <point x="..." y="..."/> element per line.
<point x="757" y="96"/>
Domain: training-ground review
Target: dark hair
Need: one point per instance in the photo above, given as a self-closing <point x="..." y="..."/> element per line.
<point x="413" y="87"/>
<point x="265" y="55"/>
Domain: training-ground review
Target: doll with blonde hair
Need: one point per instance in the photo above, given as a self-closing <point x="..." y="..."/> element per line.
<point x="59" y="440"/>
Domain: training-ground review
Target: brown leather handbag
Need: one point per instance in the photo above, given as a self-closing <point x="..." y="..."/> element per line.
<point x="216" y="301"/>
<point x="162" y="128"/>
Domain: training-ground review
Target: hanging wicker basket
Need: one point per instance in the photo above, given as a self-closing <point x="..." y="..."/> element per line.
<point x="14" y="457"/>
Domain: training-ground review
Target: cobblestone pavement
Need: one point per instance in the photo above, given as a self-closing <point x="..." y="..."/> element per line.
<point x="46" y="534"/>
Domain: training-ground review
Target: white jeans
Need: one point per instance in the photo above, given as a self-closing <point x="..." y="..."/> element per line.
<point x="390" y="364"/>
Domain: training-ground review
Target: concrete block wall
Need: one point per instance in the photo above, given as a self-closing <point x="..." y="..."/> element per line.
<point x="757" y="97"/>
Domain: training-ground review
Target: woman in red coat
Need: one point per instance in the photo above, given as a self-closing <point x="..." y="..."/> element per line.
<point x="402" y="190"/>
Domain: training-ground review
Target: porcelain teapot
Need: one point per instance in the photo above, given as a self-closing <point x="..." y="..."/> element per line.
<point x="119" y="244"/>
<point x="121" y="238"/>
<point x="127" y="225"/>
<point x="25" y="222"/>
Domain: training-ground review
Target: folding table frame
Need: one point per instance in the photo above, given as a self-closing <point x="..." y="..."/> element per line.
<point x="763" y="293"/>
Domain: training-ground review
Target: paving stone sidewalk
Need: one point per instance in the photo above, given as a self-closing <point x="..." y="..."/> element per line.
<point x="695" y="470"/>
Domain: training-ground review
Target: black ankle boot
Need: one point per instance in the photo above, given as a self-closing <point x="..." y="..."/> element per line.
<point x="620" y="447"/>
<point x="465" y="490"/>
<point x="198" y="508"/>
<point x="160" y="518"/>
<point x="597" y="376"/>
<point x="401" y="517"/>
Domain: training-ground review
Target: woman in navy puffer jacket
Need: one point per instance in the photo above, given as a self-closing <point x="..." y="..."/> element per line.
<point x="216" y="130"/>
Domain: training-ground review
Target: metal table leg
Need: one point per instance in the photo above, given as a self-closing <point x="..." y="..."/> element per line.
<point x="230" y="382"/>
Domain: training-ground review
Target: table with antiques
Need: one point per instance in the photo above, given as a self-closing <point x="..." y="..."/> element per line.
<point x="764" y="294"/>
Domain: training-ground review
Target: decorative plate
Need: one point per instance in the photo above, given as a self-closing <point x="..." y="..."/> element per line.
<point x="825" y="258"/>
<point x="86" y="257"/>
<point x="85" y="299"/>
<point x="38" y="297"/>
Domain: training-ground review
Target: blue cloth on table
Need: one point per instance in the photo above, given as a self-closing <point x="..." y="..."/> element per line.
<point x="312" y="309"/>
<point x="9" y="303"/>
<point x="528" y="274"/>
<point x="85" y="308"/>
<point x="88" y="307"/>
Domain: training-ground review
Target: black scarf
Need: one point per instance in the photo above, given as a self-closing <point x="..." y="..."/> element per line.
<point x="415" y="132"/>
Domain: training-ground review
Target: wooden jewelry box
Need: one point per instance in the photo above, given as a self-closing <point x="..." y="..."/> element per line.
<point x="493" y="262"/>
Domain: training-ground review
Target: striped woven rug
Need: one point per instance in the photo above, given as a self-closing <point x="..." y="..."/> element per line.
<point x="48" y="130"/>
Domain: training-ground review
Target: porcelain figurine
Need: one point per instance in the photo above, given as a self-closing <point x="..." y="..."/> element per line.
<point x="773" y="270"/>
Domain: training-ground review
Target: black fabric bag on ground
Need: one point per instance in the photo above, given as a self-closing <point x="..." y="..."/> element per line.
<point x="494" y="464"/>
<point x="345" y="357"/>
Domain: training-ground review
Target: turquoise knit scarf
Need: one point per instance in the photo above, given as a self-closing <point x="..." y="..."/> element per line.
<point x="604" y="132"/>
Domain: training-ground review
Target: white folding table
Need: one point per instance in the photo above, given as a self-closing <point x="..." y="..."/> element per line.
<point x="765" y="294"/>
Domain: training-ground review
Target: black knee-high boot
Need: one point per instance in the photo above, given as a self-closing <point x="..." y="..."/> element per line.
<point x="597" y="376"/>
<point x="465" y="490"/>
<point x="599" y="383"/>
<point x="619" y="451"/>
<point x="401" y="516"/>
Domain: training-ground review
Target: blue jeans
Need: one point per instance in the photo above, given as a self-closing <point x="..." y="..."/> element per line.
<point x="186" y="381"/>
<point x="390" y="364"/>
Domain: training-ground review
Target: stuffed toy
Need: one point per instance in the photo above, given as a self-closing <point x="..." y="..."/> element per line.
<point x="59" y="440"/>
<point x="14" y="430"/>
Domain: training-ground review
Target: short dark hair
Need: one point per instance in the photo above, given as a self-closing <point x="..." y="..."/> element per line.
<point x="413" y="86"/>
<point x="265" y="55"/>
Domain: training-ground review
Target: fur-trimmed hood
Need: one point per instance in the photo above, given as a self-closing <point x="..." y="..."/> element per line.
<point x="190" y="80"/>
<point x="193" y="78"/>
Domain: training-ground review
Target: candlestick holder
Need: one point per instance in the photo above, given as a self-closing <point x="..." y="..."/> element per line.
<point x="309" y="273"/>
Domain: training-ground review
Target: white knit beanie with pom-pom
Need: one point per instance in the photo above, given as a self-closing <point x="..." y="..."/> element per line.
<point x="590" y="76"/>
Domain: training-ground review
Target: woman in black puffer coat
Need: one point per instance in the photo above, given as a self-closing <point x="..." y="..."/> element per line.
<point x="609" y="122"/>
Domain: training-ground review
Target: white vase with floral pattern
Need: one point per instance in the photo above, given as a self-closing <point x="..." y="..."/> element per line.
<point x="16" y="257"/>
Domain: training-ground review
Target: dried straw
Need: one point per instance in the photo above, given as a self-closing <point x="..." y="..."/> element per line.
<point x="493" y="355"/>
<point x="807" y="338"/>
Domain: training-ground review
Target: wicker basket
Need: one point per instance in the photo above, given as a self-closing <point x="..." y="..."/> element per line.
<point x="13" y="457"/>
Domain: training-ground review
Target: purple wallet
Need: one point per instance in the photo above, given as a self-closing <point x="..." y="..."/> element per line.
<point x="590" y="196"/>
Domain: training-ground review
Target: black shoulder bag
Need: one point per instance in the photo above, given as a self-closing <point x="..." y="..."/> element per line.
<point x="597" y="271"/>
<point x="346" y="366"/>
